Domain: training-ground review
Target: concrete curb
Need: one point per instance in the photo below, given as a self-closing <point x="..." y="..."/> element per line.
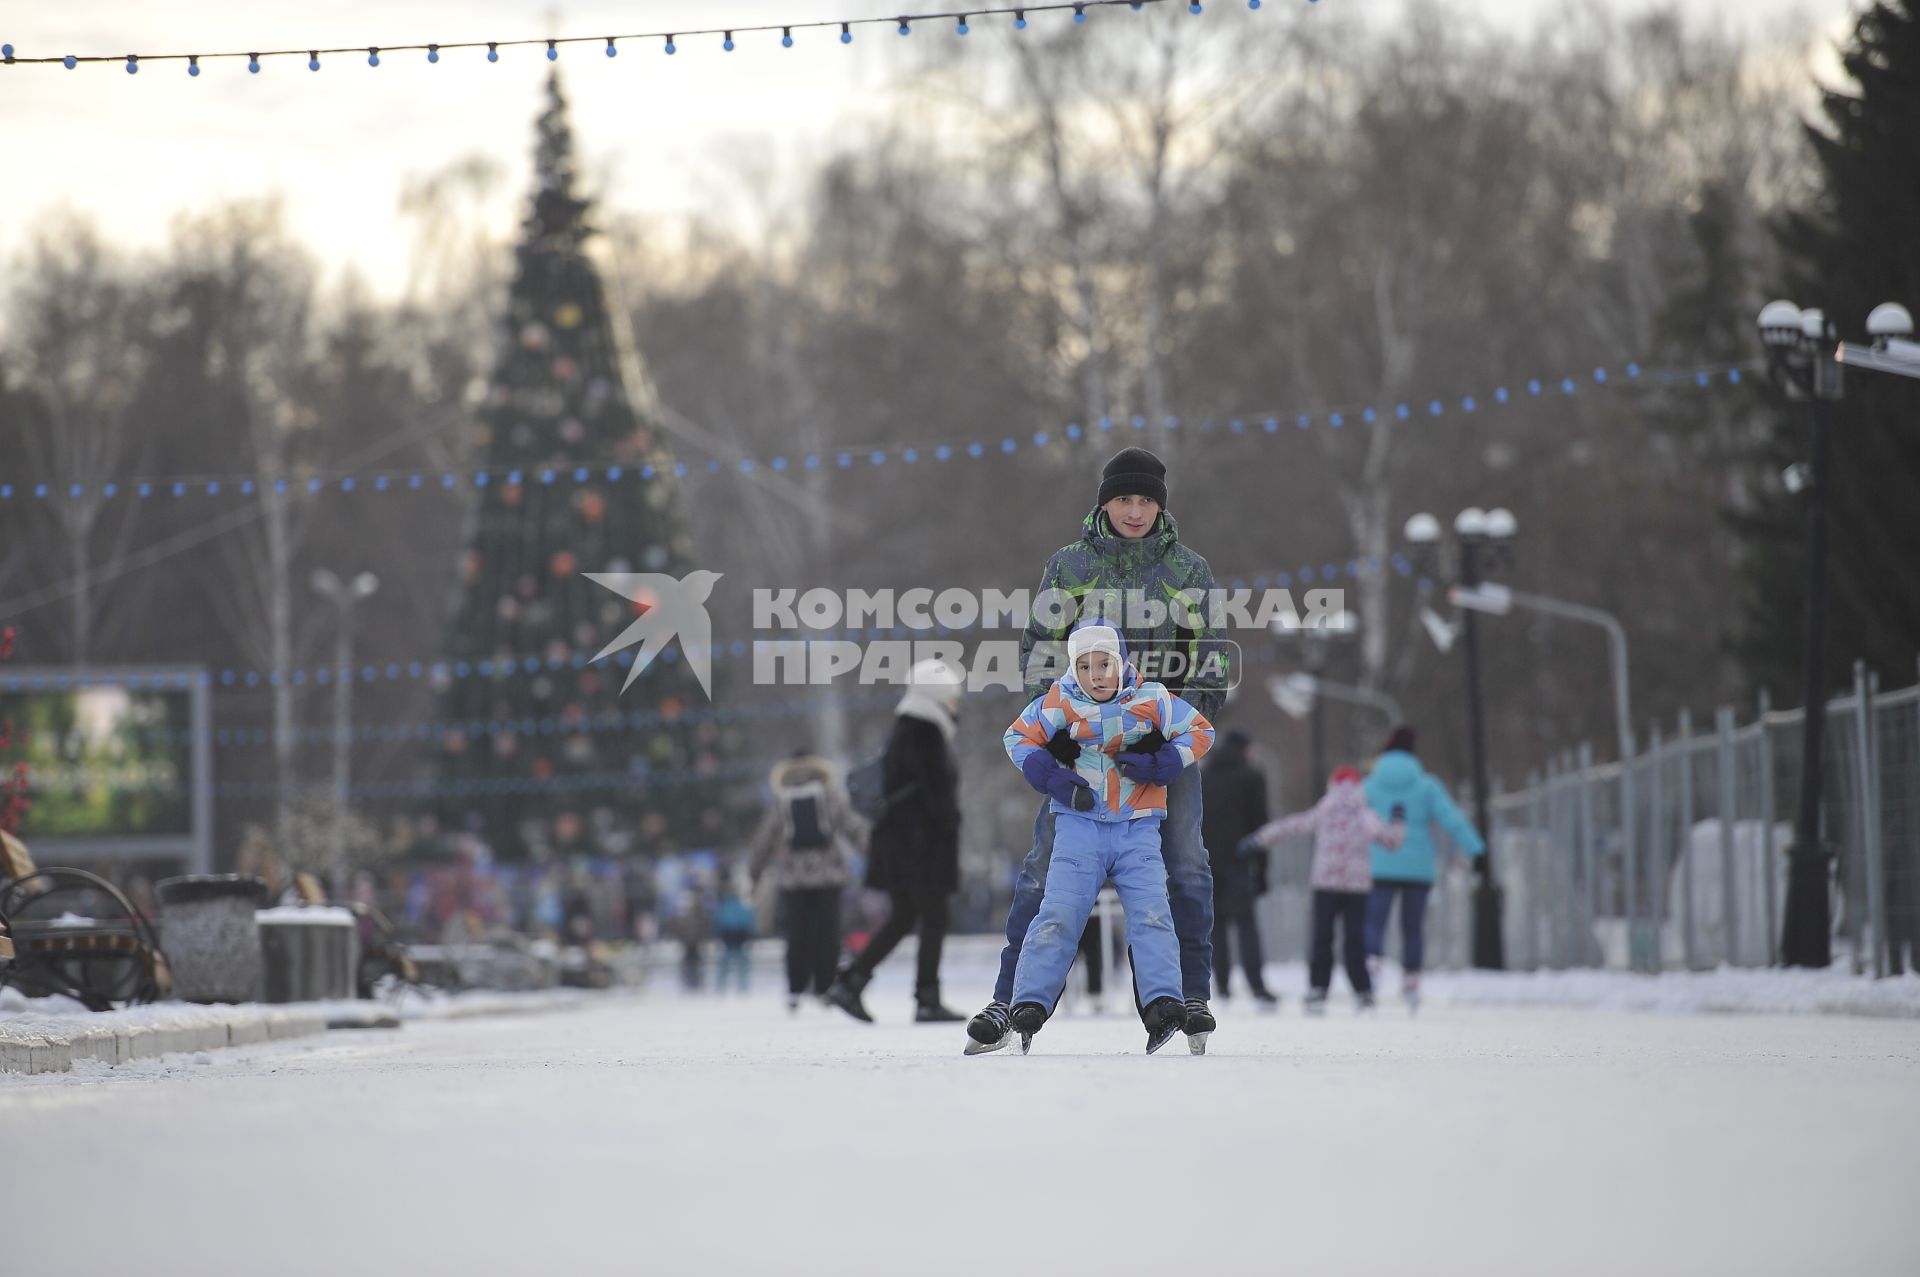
<point x="48" y="1044"/>
<point x="34" y="1043"/>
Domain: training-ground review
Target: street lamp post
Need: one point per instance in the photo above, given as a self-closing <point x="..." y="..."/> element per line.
<point x="1318" y="650"/>
<point x="343" y="595"/>
<point x="1482" y="539"/>
<point x="1804" y="357"/>
<point x="1800" y="355"/>
<point x="1298" y="694"/>
<point x="1497" y="600"/>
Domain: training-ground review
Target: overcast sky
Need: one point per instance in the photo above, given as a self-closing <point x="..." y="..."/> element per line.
<point x="133" y="150"/>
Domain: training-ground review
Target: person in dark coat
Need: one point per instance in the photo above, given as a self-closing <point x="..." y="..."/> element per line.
<point x="914" y="853"/>
<point x="1234" y="802"/>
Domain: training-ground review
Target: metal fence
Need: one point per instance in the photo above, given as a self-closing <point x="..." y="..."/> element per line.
<point x="1701" y="882"/>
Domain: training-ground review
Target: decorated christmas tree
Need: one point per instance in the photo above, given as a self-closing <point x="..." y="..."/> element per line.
<point x="545" y="754"/>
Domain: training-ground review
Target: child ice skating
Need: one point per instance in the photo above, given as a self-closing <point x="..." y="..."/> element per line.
<point x="733" y="927"/>
<point x="1104" y="746"/>
<point x="1343" y="826"/>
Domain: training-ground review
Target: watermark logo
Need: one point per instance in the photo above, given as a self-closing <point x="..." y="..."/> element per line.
<point x="1176" y="637"/>
<point x="674" y="608"/>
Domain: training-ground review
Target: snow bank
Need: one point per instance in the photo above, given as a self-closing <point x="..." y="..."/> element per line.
<point x="1834" y="991"/>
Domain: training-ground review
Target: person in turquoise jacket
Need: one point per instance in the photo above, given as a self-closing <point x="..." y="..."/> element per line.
<point x="1399" y="787"/>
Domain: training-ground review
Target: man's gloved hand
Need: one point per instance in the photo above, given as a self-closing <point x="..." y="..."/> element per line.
<point x="1064" y="747"/>
<point x="1062" y="784"/>
<point x="1149" y="743"/>
<point x="1160" y="767"/>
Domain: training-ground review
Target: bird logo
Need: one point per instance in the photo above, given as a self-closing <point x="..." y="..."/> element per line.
<point x="674" y="608"/>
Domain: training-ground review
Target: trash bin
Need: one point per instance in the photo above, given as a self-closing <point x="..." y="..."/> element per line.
<point x="208" y="933"/>
<point x="310" y="951"/>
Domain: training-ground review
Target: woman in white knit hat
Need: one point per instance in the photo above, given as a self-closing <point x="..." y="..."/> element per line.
<point x="914" y="853"/>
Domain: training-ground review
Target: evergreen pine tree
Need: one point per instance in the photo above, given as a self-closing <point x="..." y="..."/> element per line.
<point x="1855" y="244"/>
<point x="547" y="756"/>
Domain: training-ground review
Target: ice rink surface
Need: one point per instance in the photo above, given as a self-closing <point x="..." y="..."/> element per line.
<point x="663" y="1134"/>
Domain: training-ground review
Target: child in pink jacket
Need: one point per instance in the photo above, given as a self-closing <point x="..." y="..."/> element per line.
<point x="1343" y="826"/>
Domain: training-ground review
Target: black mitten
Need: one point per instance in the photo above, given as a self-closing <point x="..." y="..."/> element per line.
<point x="1152" y="743"/>
<point x="1064" y="748"/>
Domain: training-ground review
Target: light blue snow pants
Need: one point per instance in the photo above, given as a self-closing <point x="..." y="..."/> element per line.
<point x="1086" y="853"/>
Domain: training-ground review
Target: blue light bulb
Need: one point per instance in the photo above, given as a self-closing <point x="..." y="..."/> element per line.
<point x="253" y="64"/>
<point x="963" y="28"/>
<point x="373" y="57"/>
<point x="786" y="37"/>
<point x="193" y="65"/>
<point x="1020" y="21"/>
<point x="1194" y="8"/>
<point x="6" y="51"/>
<point x="670" y="46"/>
<point x="727" y="44"/>
<point x="904" y="28"/>
<point x="1079" y="13"/>
<point x="313" y="61"/>
<point x="493" y="53"/>
<point x="133" y="65"/>
<point x="70" y="62"/>
<point x="846" y="35"/>
<point x="433" y="53"/>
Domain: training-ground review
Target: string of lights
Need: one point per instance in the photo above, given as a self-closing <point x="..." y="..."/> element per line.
<point x="498" y="786"/>
<point x="394" y="482"/>
<point x="669" y="42"/>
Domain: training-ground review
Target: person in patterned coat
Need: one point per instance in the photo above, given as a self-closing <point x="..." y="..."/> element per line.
<point x="1343" y="827"/>
<point x="806" y="843"/>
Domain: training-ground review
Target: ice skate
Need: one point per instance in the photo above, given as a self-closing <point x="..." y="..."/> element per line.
<point x="1199" y="1025"/>
<point x="1027" y="1019"/>
<point x="1410" y="991"/>
<point x="990" y="1028"/>
<point x="1316" y="1003"/>
<point x="1163" y="1017"/>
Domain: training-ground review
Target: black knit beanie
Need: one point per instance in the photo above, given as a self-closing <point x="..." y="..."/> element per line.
<point x="1134" y="472"/>
<point x="1402" y="737"/>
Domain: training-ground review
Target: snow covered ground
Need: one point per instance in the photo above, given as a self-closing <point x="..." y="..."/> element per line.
<point x="670" y="1134"/>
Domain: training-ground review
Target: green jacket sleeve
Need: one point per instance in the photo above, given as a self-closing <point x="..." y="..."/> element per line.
<point x="1038" y="632"/>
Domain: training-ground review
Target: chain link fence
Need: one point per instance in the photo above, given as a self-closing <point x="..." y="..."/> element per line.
<point x="1678" y="861"/>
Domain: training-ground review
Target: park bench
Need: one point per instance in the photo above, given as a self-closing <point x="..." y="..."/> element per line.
<point x="74" y="933"/>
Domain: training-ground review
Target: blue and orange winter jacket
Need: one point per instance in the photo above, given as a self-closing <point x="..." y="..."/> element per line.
<point x="1104" y="729"/>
